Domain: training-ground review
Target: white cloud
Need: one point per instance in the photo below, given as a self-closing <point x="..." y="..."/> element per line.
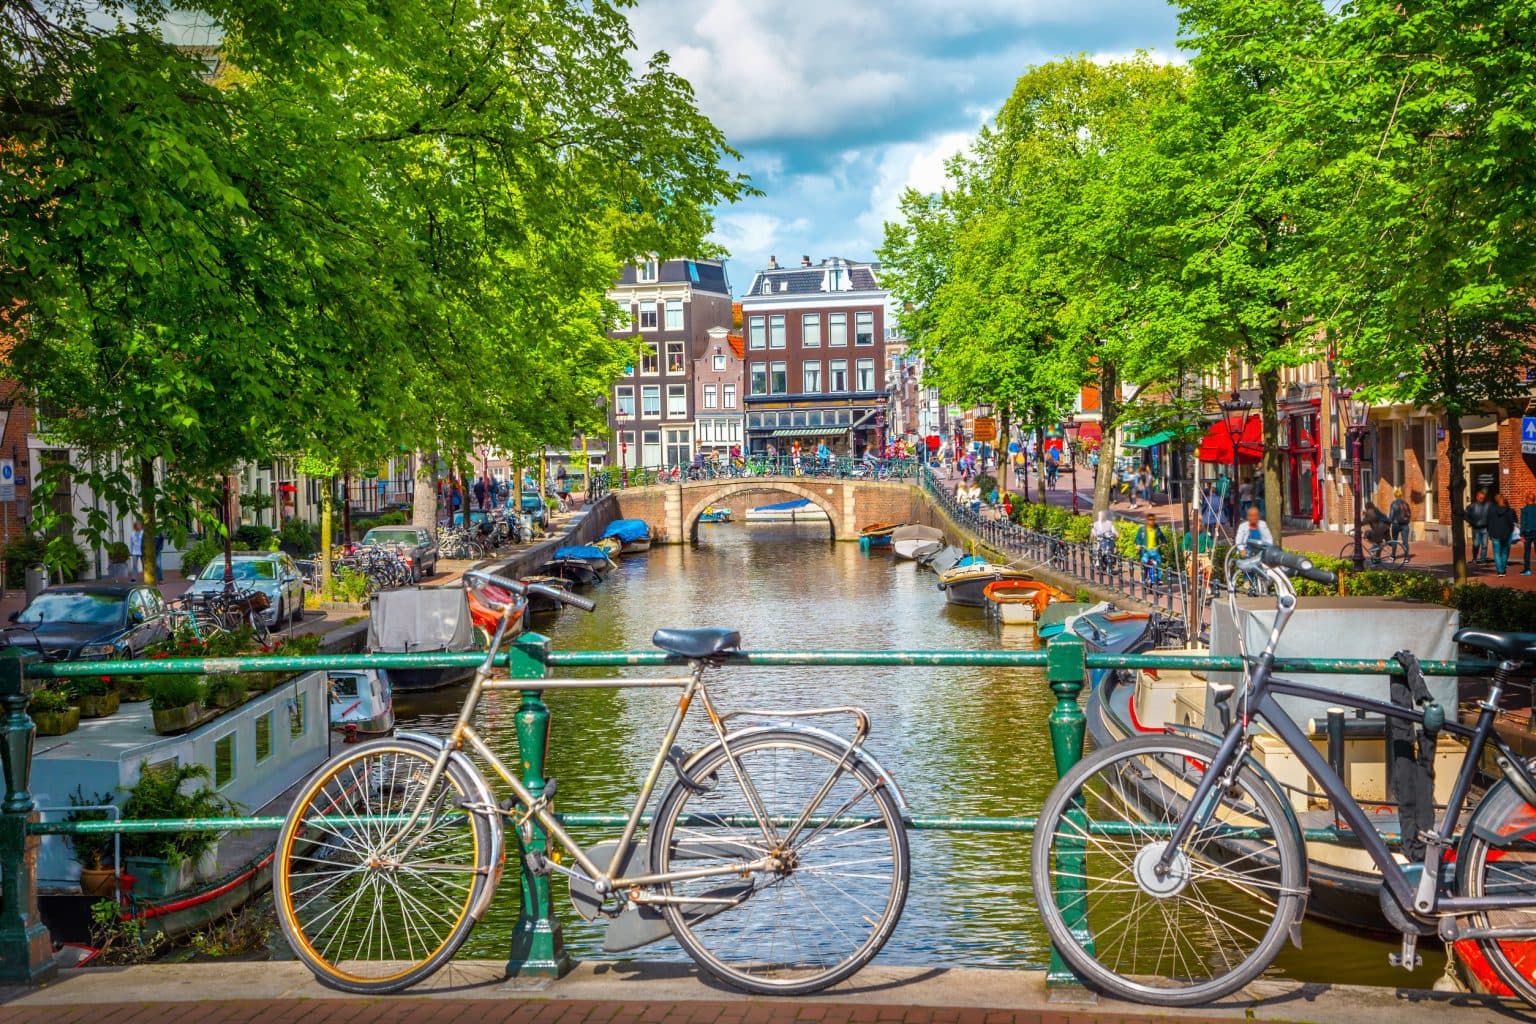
<point x="904" y="165"/>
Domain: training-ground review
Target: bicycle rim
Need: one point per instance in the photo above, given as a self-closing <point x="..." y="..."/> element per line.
<point x="794" y="930"/>
<point x="1205" y="928"/>
<point x="365" y="907"/>
<point x="1498" y="858"/>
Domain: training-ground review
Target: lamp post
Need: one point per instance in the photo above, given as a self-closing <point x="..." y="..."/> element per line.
<point x="1230" y="407"/>
<point x="1067" y="426"/>
<point x="1357" y="412"/>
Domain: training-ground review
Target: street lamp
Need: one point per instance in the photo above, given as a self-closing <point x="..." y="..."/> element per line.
<point x="1230" y="407"/>
<point x="1357" y="413"/>
<point x="1067" y="426"/>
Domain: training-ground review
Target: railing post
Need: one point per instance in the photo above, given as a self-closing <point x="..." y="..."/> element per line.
<point x="26" y="952"/>
<point x="1067" y="671"/>
<point x="538" y="945"/>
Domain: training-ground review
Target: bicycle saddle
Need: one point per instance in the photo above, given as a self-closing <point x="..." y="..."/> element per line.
<point x="1508" y="646"/>
<point x="697" y="643"/>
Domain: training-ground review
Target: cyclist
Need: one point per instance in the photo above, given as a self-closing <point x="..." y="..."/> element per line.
<point x="1149" y="540"/>
<point x="1104" y="536"/>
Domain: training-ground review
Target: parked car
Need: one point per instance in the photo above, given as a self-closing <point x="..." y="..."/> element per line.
<point x="90" y="621"/>
<point x="273" y="573"/>
<point x="417" y="546"/>
<point x="534" y="506"/>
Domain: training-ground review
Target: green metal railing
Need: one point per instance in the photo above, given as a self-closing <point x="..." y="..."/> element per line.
<point x="25" y="951"/>
<point x="807" y="466"/>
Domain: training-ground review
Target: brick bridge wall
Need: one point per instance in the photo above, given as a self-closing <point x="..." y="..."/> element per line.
<point x="673" y="509"/>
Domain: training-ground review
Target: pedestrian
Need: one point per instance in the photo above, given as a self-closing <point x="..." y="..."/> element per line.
<point x="1210" y="509"/>
<point x="1528" y="528"/>
<point x="1501" y="530"/>
<point x="1253" y="534"/>
<point x="1223" y="487"/>
<point x="136" y="550"/>
<point x="1400" y="515"/>
<point x="1244" y="497"/>
<point x="1144" y="482"/>
<point x="1476" y="515"/>
<point x="479" y="488"/>
<point x="160" y="552"/>
<point x="1258" y="494"/>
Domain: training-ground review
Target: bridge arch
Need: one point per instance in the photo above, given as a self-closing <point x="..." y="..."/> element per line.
<point x="716" y="492"/>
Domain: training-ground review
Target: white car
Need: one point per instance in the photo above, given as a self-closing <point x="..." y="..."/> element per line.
<point x="273" y="573"/>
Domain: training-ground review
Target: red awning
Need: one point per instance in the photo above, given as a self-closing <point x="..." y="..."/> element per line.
<point x="1088" y="430"/>
<point x="1248" y="435"/>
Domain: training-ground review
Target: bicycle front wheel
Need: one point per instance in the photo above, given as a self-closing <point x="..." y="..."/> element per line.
<point x="837" y="888"/>
<point x="367" y="907"/>
<point x="1198" y="932"/>
<point x="1498" y="858"/>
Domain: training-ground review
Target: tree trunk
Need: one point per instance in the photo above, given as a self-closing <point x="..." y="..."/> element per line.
<point x="424" y="496"/>
<point x="325" y="536"/>
<point x="1109" y="412"/>
<point x="229" y="535"/>
<point x="1455" y="448"/>
<point x="147" y="518"/>
<point x="1269" y="411"/>
<point x="1002" y="457"/>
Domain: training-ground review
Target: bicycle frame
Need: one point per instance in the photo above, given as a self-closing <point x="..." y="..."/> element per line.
<point x="1425" y="897"/>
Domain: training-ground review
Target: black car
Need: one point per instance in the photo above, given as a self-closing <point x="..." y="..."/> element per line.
<point x="88" y="621"/>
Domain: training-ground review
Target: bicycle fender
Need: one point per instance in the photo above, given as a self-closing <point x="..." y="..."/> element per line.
<point x="807" y="730"/>
<point x="482" y="795"/>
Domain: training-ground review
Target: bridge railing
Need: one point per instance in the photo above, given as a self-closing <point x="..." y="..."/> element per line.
<point x="806" y="465"/>
<point x="26" y="953"/>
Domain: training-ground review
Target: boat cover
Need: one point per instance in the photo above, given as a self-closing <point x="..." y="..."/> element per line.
<point x="627" y="531"/>
<point x="420" y="621"/>
<point x="582" y="551"/>
<point x="784" y="506"/>
<point x="917" y="531"/>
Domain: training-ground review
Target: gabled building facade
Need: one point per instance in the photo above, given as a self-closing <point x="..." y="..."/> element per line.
<point x="718" y="376"/>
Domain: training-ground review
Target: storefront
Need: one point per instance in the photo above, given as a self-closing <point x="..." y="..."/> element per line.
<point x="1301" y="452"/>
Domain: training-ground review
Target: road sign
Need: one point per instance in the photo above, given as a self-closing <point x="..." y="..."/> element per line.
<point x="7" y="480"/>
<point x="985" y="429"/>
<point x="1528" y="435"/>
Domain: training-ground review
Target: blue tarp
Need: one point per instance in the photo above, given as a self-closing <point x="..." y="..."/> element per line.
<point x="627" y="531"/>
<point x="586" y="552"/>
<point x="784" y="506"/>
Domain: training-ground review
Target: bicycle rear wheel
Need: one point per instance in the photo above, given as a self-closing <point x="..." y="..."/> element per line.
<point x="841" y="884"/>
<point x="1498" y="858"/>
<point x="1210" y="924"/>
<point x="366" y="908"/>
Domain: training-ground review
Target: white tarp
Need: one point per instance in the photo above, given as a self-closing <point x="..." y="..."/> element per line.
<point x="420" y="621"/>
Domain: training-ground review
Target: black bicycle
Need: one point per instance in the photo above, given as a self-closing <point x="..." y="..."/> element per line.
<point x="1189" y="863"/>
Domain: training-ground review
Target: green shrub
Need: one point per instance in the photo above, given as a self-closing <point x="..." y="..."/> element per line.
<point x="93" y="850"/>
<point x="168" y="692"/>
<point x="299" y="537"/>
<point x="159" y="794"/>
<point x="199" y="553"/>
<point x="253" y="537"/>
<point x="348" y="585"/>
<point x="48" y="699"/>
<point x="89" y="686"/>
<point x="987" y="483"/>
<point x="117" y="551"/>
<point x="56" y="553"/>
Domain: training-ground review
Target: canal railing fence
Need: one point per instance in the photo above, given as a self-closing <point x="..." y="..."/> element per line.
<point x="26" y="953"/>
<point x="805" y="467"/>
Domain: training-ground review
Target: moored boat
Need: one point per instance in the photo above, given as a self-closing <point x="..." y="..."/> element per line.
<point x="943" y="560"/>
<point x="801" y="510"/>
<point x="578" y="572"/>
<point x="963" y="584"/>
<point x="1014" y="602"/>
<point x="609" y="545"/>
<point x="593" y="555"/>
<point x="538" y="604"/>
<point x="422" y="620"/>
<point x="877" y="535"/>
<point x="715" y="514"/>
<point x="361" y="703"/>
<point x="915" y="540"/>
<point x="633" y="535"/>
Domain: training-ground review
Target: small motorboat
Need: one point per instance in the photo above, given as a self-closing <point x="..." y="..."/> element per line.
<point x="577" y="572"/>
<point x="610" y="545"/>
<point x="964" y="584"/>
<point x="362" y="704"/>
<point x="422" y="620"/>
<point x="593" y="555"/>
<point x="877" y="535"/>
<point x="633" y="535"/>
<point x="1019" y="601"/>
<point x="714" y="514"/>
<point x="944" y="559"/>
<point x="538" y="604"/>
<point x="801" y="510"/>
<point x="915" y="540"/>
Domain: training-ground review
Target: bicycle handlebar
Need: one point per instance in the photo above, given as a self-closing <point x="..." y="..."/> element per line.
<point x="519" y="587"/>
<point x="1299" y="564"/>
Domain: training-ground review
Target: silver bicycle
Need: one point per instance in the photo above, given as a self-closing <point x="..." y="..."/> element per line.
<point x="777" y="857"/>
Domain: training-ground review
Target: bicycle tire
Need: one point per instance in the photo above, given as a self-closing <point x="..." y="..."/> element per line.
<point x="302" y="836"/>
<point x="1199" y="927"/>
<point x="1502" y="823"/>
<point x="846" y="911"/>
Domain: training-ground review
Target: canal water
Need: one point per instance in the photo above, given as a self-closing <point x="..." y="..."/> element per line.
<point x="959" y="741"/>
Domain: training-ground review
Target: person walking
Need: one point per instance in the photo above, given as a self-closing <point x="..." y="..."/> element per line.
<point x="1501" y="531"/>
<point x="1258" y="494"/>
<point x="1400" y="514"/>
<point x="136" y="550"/>
<point x="1223" y="485"/>
<point x="1210" y="509"/>
<point x="1528" y="528"/>
<point x="1144" y="482"/>
<point x="1476" y="515"/>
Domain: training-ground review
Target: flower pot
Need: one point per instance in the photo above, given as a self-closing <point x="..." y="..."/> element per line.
<point x="224" y="697"/>
<point x="98" y="882"/>
<point x="170" y="721"/>
<point x="131" y="688"/>
<point x="155" y="878"/>
<point x="56" y="723"/>
<point x="98" y="705"/>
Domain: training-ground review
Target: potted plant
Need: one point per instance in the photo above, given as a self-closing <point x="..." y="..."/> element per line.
<point x="165" y="863"/>
<point x="95" y="695"/>
<point x="117" y="560"/>
<point x="52" y="712"/>
<point x="226" y="689"/>
<point x="176" y="702"/>
<point x="93" y="850"/>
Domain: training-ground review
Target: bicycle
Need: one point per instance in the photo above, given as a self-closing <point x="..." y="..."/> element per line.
<point x="1390" y="553"/>
<point x="1189" y="833"/>
<point x="777" y="857"/>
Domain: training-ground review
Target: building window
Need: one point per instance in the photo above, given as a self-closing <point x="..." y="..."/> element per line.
<point x="626" y="441"/>
<point x="650" y="401"/>
<point x="675" y="362"/>
<point x="778" y="378"/>
<point x="648" y="317"/>
<point x="224" y="760"/>
<point x="703" y="430"/>
<point x="679" y="448"/>
<point x="650" y="360"/>
<point x="648" y="272"/>
<point x="728" y="396"/>
<point x="719" y="363"/>
<point x="756" y="337"/>
<point x="674" y="309"/>
<point x="624" y="402"/>
<point x="864" y="328"/>
<point x="776" y="331"/>
<point x="735" y="430"/>
<point x="810" y="330"/>
<point x="837" y="375"/>
<point x="759" y="378"/>
<point x="709" y="396"/>
<point x="813" y="377"/>
<point x="264" y="737"/>
<point x="865" y="370"/>
<point x="677" y="401"/>
<point x="837" y="329"/>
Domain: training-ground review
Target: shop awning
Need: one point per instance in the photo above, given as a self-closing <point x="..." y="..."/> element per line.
<point x="1088" y="430"/>
<point x="1245" y="434"/>
<point x="809" y="432"/>
<point x="1152" y="440"/>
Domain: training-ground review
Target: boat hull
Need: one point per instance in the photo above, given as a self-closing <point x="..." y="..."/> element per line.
<point x="715" y="517"/>
<point x="810" y="514"/>
<point x="415" y="680"/>
<point x="636" y="547"/>
<point x="915" y="549"/>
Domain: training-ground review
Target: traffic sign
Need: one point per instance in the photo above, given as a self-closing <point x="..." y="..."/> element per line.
<point x="7" y="480"/>
<point x="985" y="429"/>
<point x="1528" y="435"/>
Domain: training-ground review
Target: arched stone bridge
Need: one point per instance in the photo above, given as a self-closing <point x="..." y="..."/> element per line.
<point x="673" y="509"/>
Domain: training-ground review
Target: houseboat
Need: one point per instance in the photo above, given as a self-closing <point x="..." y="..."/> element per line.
<point x="801" y="510"/>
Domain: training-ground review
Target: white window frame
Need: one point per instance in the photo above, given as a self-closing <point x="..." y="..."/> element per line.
<point x="649" y="308"/>
<point x="669" y="307"/>
<point x="709" y="396"/>
<point x="681" y="347"/>
<point x="861" y="319"/>
<point x="837" y="330"/>
<point x="783" y="368"/>
<point x="752" y="373"/>
<point x="677" y="393"/>
<point x="810" y="330"/>
<point x="620" y="393"/>
<point x="757" y="333"/>
<point x="650" y="352"/>
<point x="648" y="392"/>
<point x="648" y="271"/>
<point x="719" y="362"/>
<point x="702" y="429"/>
<point x="807" y="369"/>
<point x="860" y="368"/>
<point x="776" y="331"/>
<point x="834" y="368"/>
<point x="728" y="396"/>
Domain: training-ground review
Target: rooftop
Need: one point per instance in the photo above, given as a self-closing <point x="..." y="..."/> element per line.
<point x="833" y="274"/>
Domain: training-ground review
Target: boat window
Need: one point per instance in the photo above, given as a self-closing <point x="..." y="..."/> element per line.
<point x="263" y="737"/>
<point x="297" y="719"/>
<point x="224" y="760"/>
<point x="344" y="687"/>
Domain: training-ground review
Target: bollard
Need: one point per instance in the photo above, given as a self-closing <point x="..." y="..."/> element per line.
<point x="538" y="946"/>
<point x="26" y="952"/>
<point x="1066" y="670"/>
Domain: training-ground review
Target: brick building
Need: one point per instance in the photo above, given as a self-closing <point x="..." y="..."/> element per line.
<point x="719" y="377"/>
<point x="672" y="305"/>
<point x="816" y="363"/>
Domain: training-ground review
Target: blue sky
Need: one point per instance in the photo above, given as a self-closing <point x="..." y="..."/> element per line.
<point x="837" y="105"/>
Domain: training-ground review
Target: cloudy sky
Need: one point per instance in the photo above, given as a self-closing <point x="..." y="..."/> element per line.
<point x="838" y="105"/>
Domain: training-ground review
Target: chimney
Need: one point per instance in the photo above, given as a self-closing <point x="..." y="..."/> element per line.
<point x="805" y="261"/>
<point x="773" y="263"/>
